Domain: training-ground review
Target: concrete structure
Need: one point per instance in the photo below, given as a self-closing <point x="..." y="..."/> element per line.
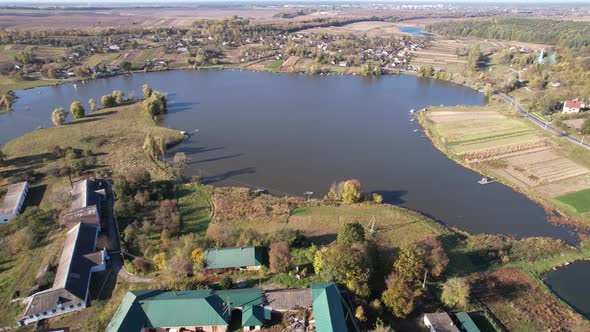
<point x="572" y="106"/>
<point x="13" y="201"/>
<point x="440" y="322"/>
<point x="191" y="310"/>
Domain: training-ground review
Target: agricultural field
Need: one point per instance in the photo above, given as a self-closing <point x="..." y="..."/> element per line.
<point x="104" y="59"/>
<point x="507" y="146"/>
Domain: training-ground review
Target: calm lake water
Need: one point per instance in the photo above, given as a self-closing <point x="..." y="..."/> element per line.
<point x="297" y="133"/>
<point x="570" y="283"/>
<point x="415" y="31"/>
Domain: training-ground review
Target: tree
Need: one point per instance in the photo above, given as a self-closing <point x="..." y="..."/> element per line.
<point x="2" y="156"/>
<point x="400" y="296"/>
<point x="77" y="109"/>
<point x="58" y="116"/>
<point x="280" y="257"/>
<point x="434" y="255"/>
<point x="155" y="104"/>
<point x="408" y="265"/>
<point x="119" y="96"/>
<point x="141" y="264"/>
<point x="126" y="66"/>
<point x="585" y="127"/>
<point x="488" y="91"/>
<point x="227" y="282"/>
<point x="52" y="73"/>
<point x="351" y="192"/>
<point x="351" y="233"/>
<point x="92" y="104"/>
<point x="198" y="257"/>
<point x="474" y="58"/>
<point x="180" y="162"/>
<point x="147" y="91"/>
<point x="108" y="101"/>
<point x="455" y="293"/>
<point x="150" y="147"/>
<point x="168" y="217"/>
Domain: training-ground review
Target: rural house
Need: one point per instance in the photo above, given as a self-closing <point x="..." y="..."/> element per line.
<point x="79" y="259"/>
<point x="572" y="106"/>
<point x="328" y="309"/>
<point x="440" y="322"/>
<point x="190" y="310"/>
<point x="234" y="258"/>
<point x="13" y="201"/>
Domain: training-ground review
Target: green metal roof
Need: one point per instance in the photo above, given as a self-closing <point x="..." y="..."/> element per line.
<point x="234" y="257"/>
<point x="466" y="322"/>
<point x="327" y="308"/>
<point x="239" y="298"/>
<point x="163" y="309"/>
<point x="252" y="316"/>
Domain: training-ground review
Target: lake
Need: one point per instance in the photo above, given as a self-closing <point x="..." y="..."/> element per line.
<point x="570" y="283"/>
<point x="416" y="31"/>
<point x="295" y="133"/>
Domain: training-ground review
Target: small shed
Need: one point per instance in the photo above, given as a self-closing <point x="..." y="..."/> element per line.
<point x="234" y="258"/>
<point x="13" y="201"/>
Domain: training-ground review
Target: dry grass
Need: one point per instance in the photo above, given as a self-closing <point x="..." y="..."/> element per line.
<point x="522" y="305"/>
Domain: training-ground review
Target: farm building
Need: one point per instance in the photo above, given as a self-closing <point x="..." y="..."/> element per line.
<point x="191" y="310"/>
<point x="440" y="322"/>
<point x="69" y="293"/>
<point x="572" y="106"/>
<point x="288" y="299"/>
<point x="328" y="309"/>
<point x="13" y="201"/>
<point x="234" y="258"/>
<point x="86" y="197"/>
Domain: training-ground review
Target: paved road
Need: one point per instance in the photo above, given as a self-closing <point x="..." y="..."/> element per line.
<point x="115" y="250"/>
<point x="543" y="124"/>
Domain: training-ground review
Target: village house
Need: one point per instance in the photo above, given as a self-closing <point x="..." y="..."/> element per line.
<point x="233" y="258"/>
<point x="328" y="312"/>
<point x="190" y="310"/>
<point x="13" y="201"/>
<point x="572" y="106"/>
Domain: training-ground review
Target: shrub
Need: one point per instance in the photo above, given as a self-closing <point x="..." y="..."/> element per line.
<point x="59" y="116"/>
<point x="227" y="282"/>
<point x="400" y="296"/>
<point x="280" y="257"/>
<point x="108" y="101"/>
<point x="351" y="233"/>
<point x="77" y="109"/>
<point x="456" y="293"/>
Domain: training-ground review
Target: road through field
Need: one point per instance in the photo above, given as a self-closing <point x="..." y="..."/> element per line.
<point x="542" y="124"/>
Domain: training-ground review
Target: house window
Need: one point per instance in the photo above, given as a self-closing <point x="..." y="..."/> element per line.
<point x="79" y="304"/>
<point x="71" y="306"/>
<point x="44" y="313"/>
<point x="53" y="311"/>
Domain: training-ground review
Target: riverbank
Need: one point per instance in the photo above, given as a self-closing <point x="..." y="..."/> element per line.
<point x="493" y="141"/>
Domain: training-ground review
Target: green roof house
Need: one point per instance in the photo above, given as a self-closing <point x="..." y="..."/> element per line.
<point x="467" y="324"/>
<point x="240" y="258"/>
<point x="193" y="310"/>
<point x="327" y="308"/>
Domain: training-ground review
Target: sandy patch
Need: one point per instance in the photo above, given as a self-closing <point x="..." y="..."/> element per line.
<point x="574" y="123"/>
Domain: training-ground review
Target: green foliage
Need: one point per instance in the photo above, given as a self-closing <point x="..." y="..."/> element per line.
<point x="571" y="34"/>
<point x="425" y="71"/>
<point x="34" y="222"/>
<point x="546" y="104"/>
<point x="585" y="127"/>
<point x="409" y="265"/>
<point x="156" y="104"/>
<point x="58" y="116"/>
<point x="350" y="265"/>
<point x="377" y="198"/>
<point x="77" y="109"/>
<point x="371" y="69"/>
<point x="475" y="57"/>
<point x="92" y="104"/>
<point x="455" y="293"/>
<point x="351" y="233"/>
<point x="147" y="91"/>
<point x="400" y="296"/>
<point x="227" y="282"/>
<point x="108" y="101"/>
<point x="351" y="192"/>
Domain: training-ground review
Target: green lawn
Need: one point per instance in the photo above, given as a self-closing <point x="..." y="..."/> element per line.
<point x="195" y="210"/>
<point x="275" y="64"/>
<point x="579" y="200"/>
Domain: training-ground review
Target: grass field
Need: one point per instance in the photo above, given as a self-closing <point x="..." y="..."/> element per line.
<point x="8" y="83"/>
<point x="579" y="200"/>
<point x="275" y="64"/>
<point x="494" y="141"/>
<point x="101" y="59"/>
<point x="195" y="210"/>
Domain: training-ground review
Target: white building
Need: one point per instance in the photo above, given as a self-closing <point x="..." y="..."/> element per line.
<point x="13" y="201"/>
<point x="440" y="322"/>
<point x="572" y="106"/>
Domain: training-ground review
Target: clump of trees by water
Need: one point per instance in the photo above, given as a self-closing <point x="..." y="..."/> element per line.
<point x="350" y="192"/>
<point x="59" y="116"/>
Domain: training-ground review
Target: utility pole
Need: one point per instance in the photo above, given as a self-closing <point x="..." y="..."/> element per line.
<point x="424" y="282"/>
<point x="582" y="141"/>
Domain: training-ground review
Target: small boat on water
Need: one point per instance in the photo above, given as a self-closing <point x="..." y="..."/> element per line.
<point x="412" y="110"/>
<point x="485" y="180"/>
